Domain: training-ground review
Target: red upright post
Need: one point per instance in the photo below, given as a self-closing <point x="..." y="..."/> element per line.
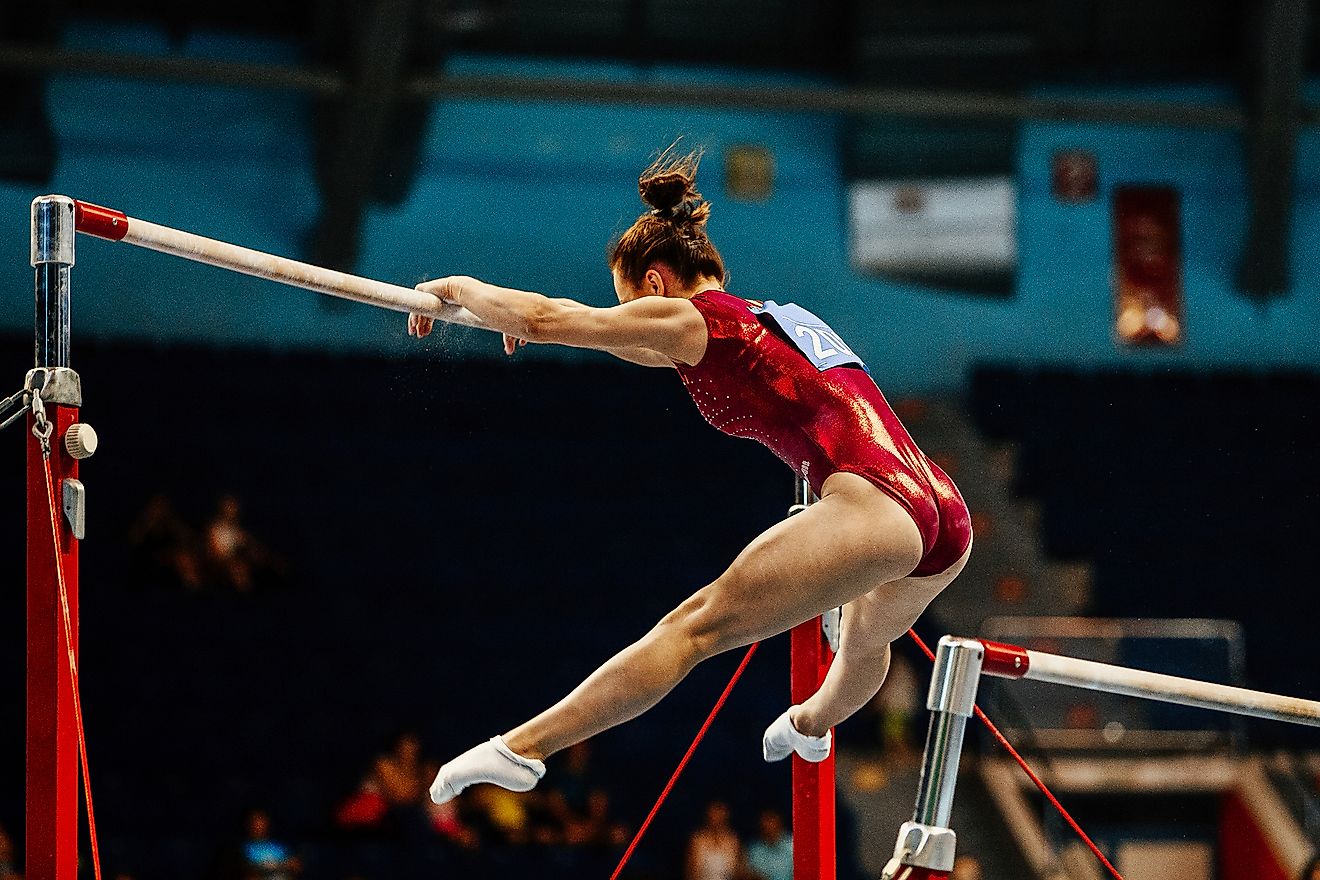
<point x="52" y="740"/>
<point x="813" y="784"/>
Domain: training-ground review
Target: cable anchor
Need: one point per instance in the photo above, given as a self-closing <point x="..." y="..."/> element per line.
<point x="13" y="407"/>
<point x="41" y="426"/>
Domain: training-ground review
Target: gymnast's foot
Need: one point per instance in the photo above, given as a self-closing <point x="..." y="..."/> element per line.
<point x="492" y="761"/>
<point x="782" y="739"/>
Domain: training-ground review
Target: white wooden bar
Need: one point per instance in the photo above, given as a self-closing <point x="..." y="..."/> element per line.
<point x="117" y="226"/>
<point x="1169" y="688"/>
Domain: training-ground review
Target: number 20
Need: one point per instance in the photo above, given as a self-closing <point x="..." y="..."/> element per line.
<point x="815" y="341"/>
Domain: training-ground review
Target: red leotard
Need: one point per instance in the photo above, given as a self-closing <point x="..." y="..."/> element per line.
<point x="753" y="383"/>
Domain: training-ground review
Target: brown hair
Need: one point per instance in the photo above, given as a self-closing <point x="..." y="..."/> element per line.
<point x="674" y="231"/>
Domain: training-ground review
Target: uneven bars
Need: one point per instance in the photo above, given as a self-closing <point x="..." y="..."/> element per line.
<point x="1011" y="661"/>
<point x="115" y="225"/>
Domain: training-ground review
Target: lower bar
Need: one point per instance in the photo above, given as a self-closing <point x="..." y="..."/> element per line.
<point x="52" y="742"/>
<point x="1170" y="689"/>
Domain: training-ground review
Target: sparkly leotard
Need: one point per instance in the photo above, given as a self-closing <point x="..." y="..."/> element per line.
<point x="755" y="383"/>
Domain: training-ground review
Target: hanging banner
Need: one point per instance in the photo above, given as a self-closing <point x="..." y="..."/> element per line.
<point x="1148" y="303"/>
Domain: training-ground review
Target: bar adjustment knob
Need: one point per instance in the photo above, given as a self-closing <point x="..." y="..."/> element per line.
<point x="80" y="440"/>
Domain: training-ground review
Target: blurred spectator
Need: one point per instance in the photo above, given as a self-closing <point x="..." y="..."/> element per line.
<point x="235" y="557"/>
<point x="255" y="855"/>
<point x="544" y="827"/>
<point x="447" y="819"/>
<point x="594" y="827"/>
<point x="364" y="808"/>
<point x="164" y="549"/>
<point x="393" y="795"/>
<point x="400" y="774"/>
<point x="572" y="783"/>
<point x="263" y="857"/>
<point x="502" y="815"/>
<point x="770" y="856"/>
<point x="8" y="867"/>
<point x="966" y="868"/>
<point x="578" y="806"/>
<point x="714" y="852"/>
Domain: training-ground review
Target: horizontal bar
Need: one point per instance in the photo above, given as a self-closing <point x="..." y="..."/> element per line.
<point x="116" y="226"/>
<point x="1169" y="689"/>
<point x="916" y="103"/>
<point x="1012" y="627"/>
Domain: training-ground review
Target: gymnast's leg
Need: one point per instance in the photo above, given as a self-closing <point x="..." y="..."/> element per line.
<point x="840" y="548"/>
<point x="870" y="624"/>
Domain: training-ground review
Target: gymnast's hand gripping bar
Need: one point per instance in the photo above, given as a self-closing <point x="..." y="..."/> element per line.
<point x="116" y="226"/>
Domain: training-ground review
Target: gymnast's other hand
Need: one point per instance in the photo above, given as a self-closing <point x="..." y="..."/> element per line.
<point x="512" y="343"/>
<point x="419" y="325"/>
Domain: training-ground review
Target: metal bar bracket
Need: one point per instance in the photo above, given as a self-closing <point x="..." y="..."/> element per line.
<point x="75" y="506"/>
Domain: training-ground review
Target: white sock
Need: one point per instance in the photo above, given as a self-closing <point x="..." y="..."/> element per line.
<point x="492" y="761"/>
<point x="782" y="739"/>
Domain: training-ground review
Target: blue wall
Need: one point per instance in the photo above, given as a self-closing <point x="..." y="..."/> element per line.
<point x="528" y="195"/>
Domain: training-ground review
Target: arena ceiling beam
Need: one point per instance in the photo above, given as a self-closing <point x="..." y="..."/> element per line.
<point x="1277" y="57"/>
<point x="170" y="69"/>
<point x="909" y="102"/>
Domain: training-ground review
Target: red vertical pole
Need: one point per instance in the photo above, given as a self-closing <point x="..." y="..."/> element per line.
<point x="813" y="784"/>
<point x="52" y="740"/>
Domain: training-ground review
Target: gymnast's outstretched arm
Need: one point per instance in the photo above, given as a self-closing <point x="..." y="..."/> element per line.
<point x="668" y="327"/>
<point x="644" y="357"/>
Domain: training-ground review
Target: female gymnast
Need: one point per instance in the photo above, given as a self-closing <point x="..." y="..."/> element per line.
<point x="889" y="533"/>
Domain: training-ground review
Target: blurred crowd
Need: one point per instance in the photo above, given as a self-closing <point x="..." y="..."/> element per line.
<point x="572" y="810"/>
<point x="221" y="555"/>
<point x="715" y="852"/>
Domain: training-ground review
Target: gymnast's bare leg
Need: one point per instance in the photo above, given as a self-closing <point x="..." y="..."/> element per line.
<point x="853" y="540"/>
<point x="870" y="624"/>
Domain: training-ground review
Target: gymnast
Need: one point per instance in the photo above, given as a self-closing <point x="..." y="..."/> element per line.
<point x="889" y="533"/>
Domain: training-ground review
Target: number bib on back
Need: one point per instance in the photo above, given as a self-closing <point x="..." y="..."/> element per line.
<point x="812" y="336"/>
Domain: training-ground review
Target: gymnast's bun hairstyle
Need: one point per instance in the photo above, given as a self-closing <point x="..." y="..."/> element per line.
<point x="673" y="232"/>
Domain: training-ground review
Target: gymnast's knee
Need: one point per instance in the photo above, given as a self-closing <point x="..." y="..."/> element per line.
<point x="700" y="628"/>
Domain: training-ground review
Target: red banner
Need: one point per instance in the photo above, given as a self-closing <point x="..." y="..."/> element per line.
<point x="1148" y="304"/>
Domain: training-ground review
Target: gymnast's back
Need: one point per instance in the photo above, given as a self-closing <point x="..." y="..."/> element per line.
<point x="781" y="376"/>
